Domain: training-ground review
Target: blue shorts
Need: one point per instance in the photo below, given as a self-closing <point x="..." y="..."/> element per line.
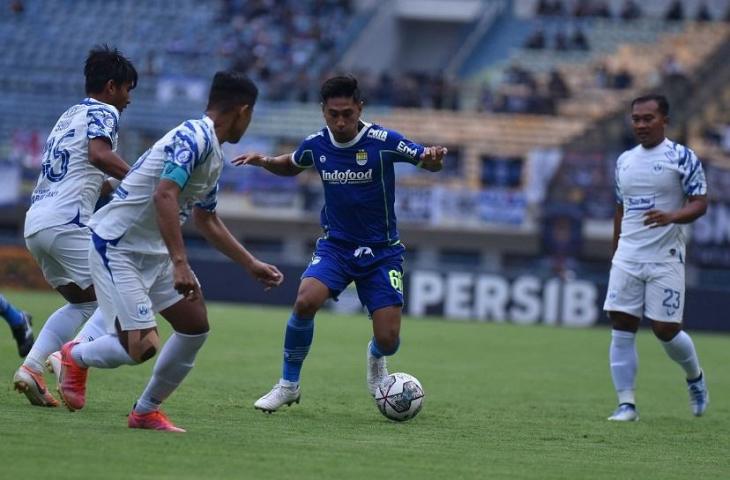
<point x="377" y="271"/>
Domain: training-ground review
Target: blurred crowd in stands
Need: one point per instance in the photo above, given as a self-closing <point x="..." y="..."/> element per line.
<point x="522" y="92"/>
<point x="284" y="44"/>
<point x="630" y="10"/>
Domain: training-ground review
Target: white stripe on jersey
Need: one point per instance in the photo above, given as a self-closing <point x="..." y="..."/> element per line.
<point x="659" y="178"/>
<point x="130" y="218"/>
<point x="68" y="185"/>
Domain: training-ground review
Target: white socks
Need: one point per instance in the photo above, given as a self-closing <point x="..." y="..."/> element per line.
<point x="104" y="352"/>
<point x="173" y="364"/>
<point x="94" y="327"/>
<point x="58" y="329"/>
<point x="682" y="350"/>
<point x="624" y="362"/>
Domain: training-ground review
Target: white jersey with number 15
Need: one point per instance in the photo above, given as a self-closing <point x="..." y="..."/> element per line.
<point x="68" y="186"/>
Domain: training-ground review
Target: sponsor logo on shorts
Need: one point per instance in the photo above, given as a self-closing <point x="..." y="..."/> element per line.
<point x="143" y="309"/>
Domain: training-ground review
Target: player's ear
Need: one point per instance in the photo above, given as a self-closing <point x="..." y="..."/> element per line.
<point x="110" y="86"/>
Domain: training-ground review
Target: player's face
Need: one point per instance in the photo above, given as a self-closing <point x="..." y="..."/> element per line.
<point x="120" y="95"/>
<point x="648" y="123"/>
<point x="342" y="115"/>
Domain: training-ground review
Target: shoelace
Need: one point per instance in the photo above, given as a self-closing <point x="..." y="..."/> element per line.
<point x="697" y="392"/>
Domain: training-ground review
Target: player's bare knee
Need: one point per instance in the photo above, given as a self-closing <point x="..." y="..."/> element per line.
<point x="624" y="322"/>
<point x="665" y="331"/>
<point x="306" y="305"/>
<point x="197" y="328"/>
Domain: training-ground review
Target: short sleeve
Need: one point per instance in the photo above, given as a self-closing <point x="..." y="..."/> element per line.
<point x="102" y="122"/>
<point x="182" y="155"/>
<point x="617" y="181"/>
<point x="210" y="202"/>
<point x="303" y="157"/>
<point x="694" y="182"/>
<point x="405" y="150"/>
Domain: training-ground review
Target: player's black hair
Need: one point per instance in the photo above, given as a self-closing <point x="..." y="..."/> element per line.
<point x="340" y="86"/>
<point x="660" y="100"/>
<point x="105" y="63"/>
<point x="231" y="89"/>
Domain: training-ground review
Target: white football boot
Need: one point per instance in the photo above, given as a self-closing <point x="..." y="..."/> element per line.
<point x="377" y="371"/>
<point x="625" y="413"/>
<point x="279" y="396"/>
<point x="699" y="396"/>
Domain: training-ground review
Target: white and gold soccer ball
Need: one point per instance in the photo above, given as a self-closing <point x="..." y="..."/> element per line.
<point x="399" y="396"/>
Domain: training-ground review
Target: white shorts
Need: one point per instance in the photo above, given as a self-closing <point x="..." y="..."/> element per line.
<point x="62" y="252"/>
<point x="651" y="290"/>
<point x="131" y="287"/>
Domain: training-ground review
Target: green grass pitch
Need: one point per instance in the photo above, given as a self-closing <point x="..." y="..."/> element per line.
<point x="502" y="402"/>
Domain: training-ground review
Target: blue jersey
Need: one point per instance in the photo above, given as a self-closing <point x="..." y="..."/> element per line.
<point x="359" y="181"/>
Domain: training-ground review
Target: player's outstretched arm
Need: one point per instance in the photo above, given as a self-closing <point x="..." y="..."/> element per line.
<point x="168" y="220"/>
<point x="218" y="235"/>
<point x="432" y="158"/>
<point x="281" y="165"/>
<point x="105" y="159"/>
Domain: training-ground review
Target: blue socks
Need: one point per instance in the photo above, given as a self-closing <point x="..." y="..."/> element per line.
<point x="11" y="314"/>
<point x="378" y="352"/>
<point x="297" y="340"/>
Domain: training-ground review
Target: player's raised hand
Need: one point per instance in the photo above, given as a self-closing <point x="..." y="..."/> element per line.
<point x="185" y="282"/>
<point x="432" y="158"/>
<point x="250" y="158"/>
<point x="267" y="274"/>
<point x="657" y="218"/>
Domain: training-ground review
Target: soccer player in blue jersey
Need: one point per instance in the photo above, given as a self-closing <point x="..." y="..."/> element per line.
<point x="19" y="322"/>
<point x="355" y="162"/>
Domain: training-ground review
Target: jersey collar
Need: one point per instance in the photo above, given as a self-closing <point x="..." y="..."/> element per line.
<point x="665" y="142"/>
<point x="352" y="142"/>
<point x="213" y="137"/>
<point x="92" y="101"/>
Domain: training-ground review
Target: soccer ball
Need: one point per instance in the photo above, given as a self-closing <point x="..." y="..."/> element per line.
<point x="399" y="397"/>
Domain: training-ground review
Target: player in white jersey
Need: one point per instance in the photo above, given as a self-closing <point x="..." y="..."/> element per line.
<point x="138" y="260"/>
<point x="660" y="187"/>
<point x="79" y="155"/>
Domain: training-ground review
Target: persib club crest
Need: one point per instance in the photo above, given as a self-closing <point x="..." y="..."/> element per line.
<point x="361" y="157"/>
